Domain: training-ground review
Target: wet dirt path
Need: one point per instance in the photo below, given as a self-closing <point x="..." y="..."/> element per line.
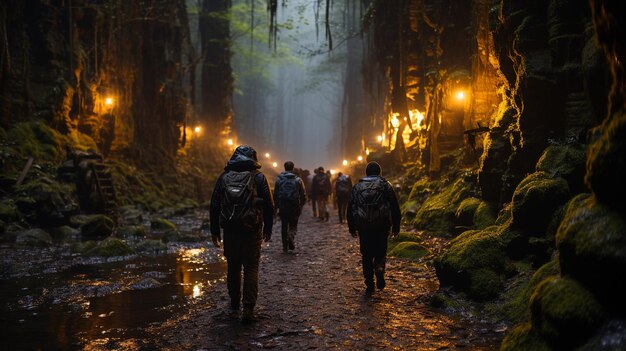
<point x="313" y="298"/>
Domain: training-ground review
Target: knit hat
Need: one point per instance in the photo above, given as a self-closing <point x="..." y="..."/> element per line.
<point x="372" y="168"/>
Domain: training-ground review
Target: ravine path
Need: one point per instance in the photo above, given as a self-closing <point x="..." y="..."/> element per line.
<point x="313" y="298"/>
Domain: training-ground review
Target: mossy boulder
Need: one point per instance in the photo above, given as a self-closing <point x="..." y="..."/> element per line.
<point x="84" y="246"/>
<point x="408" y="249"/>
<point x="131" y="215"/>
<point x="485" y="215"/>
<point x="97" y="226"/>
<point x="53" y="202"/>
<point x="33" y="237"/>
<point x="137" y="231"/>
<point x="162" y="224"/>
<point x="65" y="232"/>
<point x="474" y="263"/>
<point x="564" y="312"/>
<point x="8" y="212"/>
<point x="567" y="162"/>
<point x="464" y="214"/>
<point x="592" y="248"/>
<point x="524" y="338"/>
<point x="110" y="247"/>
<point x="437" y="213"/>
<point x="151" y="246"/>
<point x="535" y="200"/>
<point x="606" y="165"/>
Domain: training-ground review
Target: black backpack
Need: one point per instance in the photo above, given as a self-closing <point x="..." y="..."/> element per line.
<point x="321" y="182"/>
<point x="289" y="195"/>
<point x="370" y="206"/>
<point x="342" y="186"/>
<point x="239" y="210"/>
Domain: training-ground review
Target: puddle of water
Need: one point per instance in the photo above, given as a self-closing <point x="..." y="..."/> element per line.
<point x="89" y="302"/>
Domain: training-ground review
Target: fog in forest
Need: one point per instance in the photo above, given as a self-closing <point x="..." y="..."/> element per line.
<point x="291" y="107"/>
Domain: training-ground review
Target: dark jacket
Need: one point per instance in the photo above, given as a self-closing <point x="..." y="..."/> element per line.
<point x="348" y="182"/>
<point x="390" y="197"/>
<point x="321" y="191"/>
<point x="243" y="160"/>
<point x="281" y="179"/>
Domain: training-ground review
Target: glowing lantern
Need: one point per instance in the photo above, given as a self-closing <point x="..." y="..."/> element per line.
<point x="274" y="164"/>
<point x="394" y="120"/>
<point x="267" y="155"/>
<point x="360" y="158"/>
<point x="380" y="138"/>
<point x="460" y="95"/>
<point x="345" y="162"/>
<point x="198" y="129"/>
<point x="367" y="151"/>
<point x="108" y="101"/>
<point x="332" y="172"/>
<point x="230" y="142"/>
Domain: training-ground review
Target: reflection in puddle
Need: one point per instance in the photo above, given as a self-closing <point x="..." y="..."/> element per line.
<point x="85" y="306"/>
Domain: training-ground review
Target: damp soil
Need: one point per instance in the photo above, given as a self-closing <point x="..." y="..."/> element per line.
<point x="310" y="298"/>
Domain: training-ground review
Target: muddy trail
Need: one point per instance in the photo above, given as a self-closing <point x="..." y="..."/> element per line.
<point x="313" y="298"/>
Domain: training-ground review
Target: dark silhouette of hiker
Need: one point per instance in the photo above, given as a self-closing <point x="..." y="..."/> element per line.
<point x="243" y="207"/>
<point x="290" y="197"/>
<point x="343" y="188"/>
<point x="321" y="190"/>
<point x="373" y="209"/>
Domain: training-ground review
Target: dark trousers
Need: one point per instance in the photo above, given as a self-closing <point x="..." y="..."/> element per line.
<point x="342" y="207"/>
<point x="243" y="249"/>
<point x="373" y="247"/>
<point x="289" y="227"/>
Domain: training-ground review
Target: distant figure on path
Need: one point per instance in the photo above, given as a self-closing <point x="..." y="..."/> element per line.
<point x="242" y="205"/>
<point x="290" y="197"/>
<point x="321" y="189"/>
<point x="372" y="210"/>
<point x="343" y="188"/>
<point x="312" y="195"/>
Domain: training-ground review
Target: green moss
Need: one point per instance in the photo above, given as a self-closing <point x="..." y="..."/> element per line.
<point x="110" y="247"/>
<point x="484" y="216"/>
<point x="82" y="247"/>
<point x="465" y="263"/>
<point x="162" y="224"/>
<point x="437" y="213"/>
<point x="151" y="246"/>
<point x="46" y="202"/>
<point x="564" y="161"/>
<point x="441" y="300"/>
<point x="97" y="226"/>
<point x="524" y="338"/>
<point x="592" y="248"/>
<point x="402" y="237"/>
<point x="38" y="140"/>
<point x="407" y="249"/>
<point x="132" y="231"/>
<point x="8" y="212"/>
<point x="535" y="200"/>
<point x="464" y="214"/>
<point x="564" y="312"/>
<point x="34" y="237"/>
<point x="65" y="232"/>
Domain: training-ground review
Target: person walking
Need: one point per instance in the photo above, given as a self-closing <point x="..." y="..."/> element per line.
<point x="242" y="205"/>
<point x="312" y="194"/>
<point x="290" y="197"/>
<point x="321" y="189"/>
<point x="373" y="209"/>
<point x="343" y="188"/>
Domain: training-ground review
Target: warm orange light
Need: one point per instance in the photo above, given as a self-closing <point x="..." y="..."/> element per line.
<point x="394" y="120"/>
<point x="380" y="138"/>
<point x="230" y="141"/>
<point x="360" y="158"/>
<point x="108" y="101"/>
<point x="274" y="164"/>
<point x="332" y="172"/>
<point x="460" y="95"/>
<point x="267" y="155"/>
<point x="197" y="129"/>
<point x="367" y="151"/>
<point x="345" y="162"/>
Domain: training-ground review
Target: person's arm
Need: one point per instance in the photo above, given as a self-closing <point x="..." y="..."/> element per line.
<point x="276" y="190"/>
<point x="268" y="205"/>
<point x="302" y="194"/>
<point x="396" y="214"/>
<point x="214" y="212"/>
<point x="349" y="217"/>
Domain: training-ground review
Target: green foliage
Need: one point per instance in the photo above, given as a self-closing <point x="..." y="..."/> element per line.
<point x="484" y="216"/>
<point x="464" y="215"/>
<point x="564" y="161"/>
<point x="524" y="338"/>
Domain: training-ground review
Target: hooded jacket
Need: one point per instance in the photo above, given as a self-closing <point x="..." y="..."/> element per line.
<point x="281" y="179"/>
<point x="390" y="197"/>
<point x="243" y="159"/>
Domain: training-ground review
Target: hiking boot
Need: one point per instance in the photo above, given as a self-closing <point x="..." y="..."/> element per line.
<point x="247" y="316"/>
<point x="369" y="289"/>
<point x="233" y="307"/>
<point x="292" y="246"/>
<point x="380" y="278"/>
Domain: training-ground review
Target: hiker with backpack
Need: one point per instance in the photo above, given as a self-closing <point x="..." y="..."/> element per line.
<point x="243" y="207"/>
<point x="343" y="188"/>
<point x="290" y="197"/>
<point x="373" y="209"/>
<point x="321" y="188"/>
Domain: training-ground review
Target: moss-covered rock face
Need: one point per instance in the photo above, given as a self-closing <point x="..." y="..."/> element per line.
<point x="437" y="213"/>
<point x="524" y="338"/>
<point x="567" y="162"/>
<point x="535" y="200"/>
<point x="485" y="215"/>
<point x="410" y="250"/>
<point x="131" y="215"/>
<point x="464" y="214"/>
<point x="564" y="312"/>
<point x="8" y="212"/>
<point x="151" y="246"/>
<point x="97" y="226"/>
<point x="606" y="166"/>
<point x="65" y="232"/>
<point x="34" y="237"/>
<point x="474" y="262"/>
<point x="109" y="247"/>
<point x="592" y="248"/>
<point x="46" y="202"/>
<point x="162" y="224"/>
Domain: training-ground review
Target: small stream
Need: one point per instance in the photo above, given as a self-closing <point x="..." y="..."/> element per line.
<point x="53" y="299"/>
